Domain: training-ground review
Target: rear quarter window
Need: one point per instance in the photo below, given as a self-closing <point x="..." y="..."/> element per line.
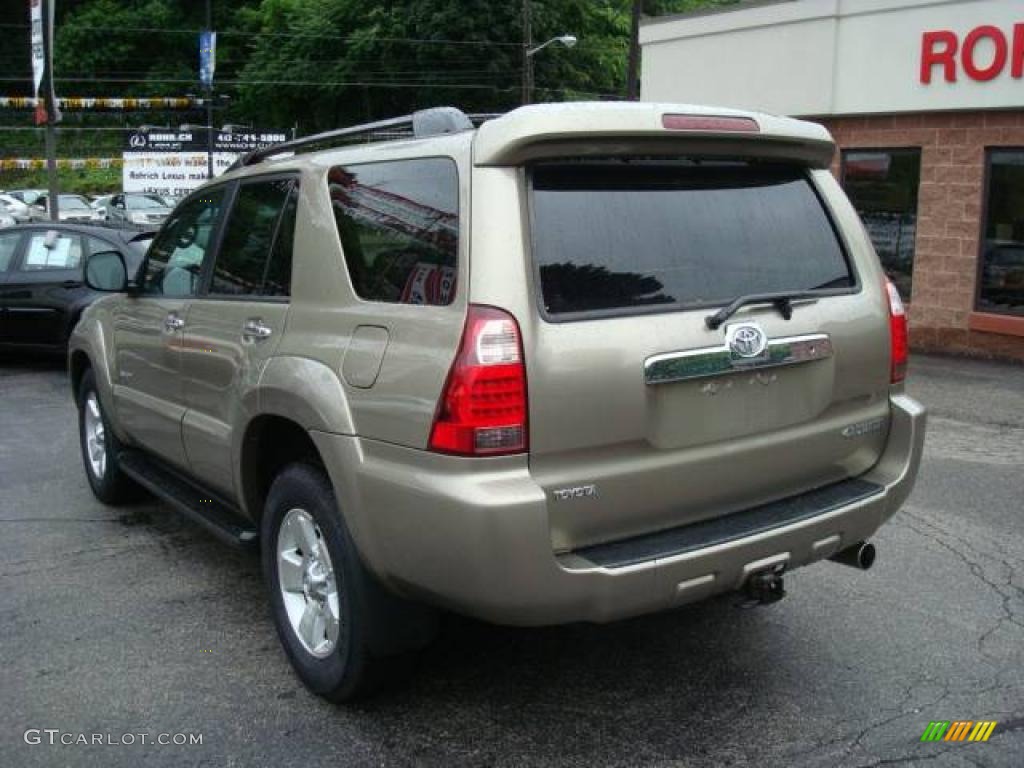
<point x="629" y="235"/>
<point x="399" y="227"/>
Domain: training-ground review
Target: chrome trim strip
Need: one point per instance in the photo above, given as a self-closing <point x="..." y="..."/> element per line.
<point x="715" y="361"/>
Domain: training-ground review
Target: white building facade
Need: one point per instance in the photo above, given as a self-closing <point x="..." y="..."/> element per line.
<point x="926" y="101"/>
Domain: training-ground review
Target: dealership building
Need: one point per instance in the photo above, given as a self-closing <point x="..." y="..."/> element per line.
<point x="925" y="99"/>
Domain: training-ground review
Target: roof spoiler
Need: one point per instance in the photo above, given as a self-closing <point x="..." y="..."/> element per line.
<point x="602" y="128"/>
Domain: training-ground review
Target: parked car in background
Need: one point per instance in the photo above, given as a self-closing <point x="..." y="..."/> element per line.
<point x="27" y="196"/>
<point x="71" y="209"/>
<point x="99" y="202"/>
<point x="137" y="210"/>
<point x="101" y="205"/>
<point x="6" y="220"/>
<point x="167" y="200"/>
<point x="42" y="283"/>
<point x="15" y="208"/>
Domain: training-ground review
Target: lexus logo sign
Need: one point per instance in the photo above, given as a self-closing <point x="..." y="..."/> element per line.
<point x="137" y="141"/>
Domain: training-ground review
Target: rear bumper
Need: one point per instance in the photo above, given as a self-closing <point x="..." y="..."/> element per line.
<point x="473" y="536"/>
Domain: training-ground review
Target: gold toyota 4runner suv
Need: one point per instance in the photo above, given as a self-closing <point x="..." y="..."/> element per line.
<point x="578" y="363"/>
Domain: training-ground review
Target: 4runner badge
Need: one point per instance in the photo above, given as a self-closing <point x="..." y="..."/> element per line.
<point x="746" y="340"/>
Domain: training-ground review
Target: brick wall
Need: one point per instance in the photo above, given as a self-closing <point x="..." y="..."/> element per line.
<point x="950" y="199"/>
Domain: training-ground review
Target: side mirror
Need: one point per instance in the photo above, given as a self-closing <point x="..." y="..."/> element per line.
<point x="106" y="271"/>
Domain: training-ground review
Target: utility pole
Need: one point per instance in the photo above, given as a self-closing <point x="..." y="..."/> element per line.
<point x="209" y="102"/>
<point x="527" y="59"/>
<point x="632" y="70"/>
<point x="53" y="198"/>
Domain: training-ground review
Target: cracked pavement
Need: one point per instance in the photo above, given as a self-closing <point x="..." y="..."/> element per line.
<point x="135" y="621"/>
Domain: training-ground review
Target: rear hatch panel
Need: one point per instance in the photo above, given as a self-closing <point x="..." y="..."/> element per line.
<point x="629" y="258"/>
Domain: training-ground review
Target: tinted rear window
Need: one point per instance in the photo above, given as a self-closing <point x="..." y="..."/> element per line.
<point x="622" y="235"/>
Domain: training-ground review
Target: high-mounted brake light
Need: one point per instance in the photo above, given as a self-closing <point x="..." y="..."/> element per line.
<point x="710" y="123"/>
<point x="899" y="344"/>
<point x="483" y="406"/>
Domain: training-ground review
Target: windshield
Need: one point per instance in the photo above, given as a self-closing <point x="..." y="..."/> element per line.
<point x="620" y="234"/>
<point x="142" y="201"/>
<point x="70" y="202"/>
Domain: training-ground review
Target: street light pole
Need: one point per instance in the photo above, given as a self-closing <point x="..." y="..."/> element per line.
<point x="52" y="182"/>
<point x="527" y="59"/>
<point x="633" y="66"/>
<point x="567" y="40"/>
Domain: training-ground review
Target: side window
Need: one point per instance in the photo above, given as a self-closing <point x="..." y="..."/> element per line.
<point x="8" y="246"/>
<point x="399" y="227"/>
<point x="52" y="250"/>
<point x="250" y="235"/>
<point x="175" y="259"/>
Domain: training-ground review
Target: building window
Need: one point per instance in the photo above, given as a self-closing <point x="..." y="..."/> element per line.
<point x="882" y="185"/>
<point x="1001" y="283"/>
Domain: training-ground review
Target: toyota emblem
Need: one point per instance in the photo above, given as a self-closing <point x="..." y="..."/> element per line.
<point x="746" y="340"/>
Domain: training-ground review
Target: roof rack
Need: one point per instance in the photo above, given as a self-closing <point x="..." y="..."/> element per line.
<point x="426" y="122"/>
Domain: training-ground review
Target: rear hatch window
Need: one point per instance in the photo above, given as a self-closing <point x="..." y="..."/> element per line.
<point x="622" y="236"/>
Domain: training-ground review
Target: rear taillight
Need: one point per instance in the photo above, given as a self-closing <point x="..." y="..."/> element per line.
<point x="898" y="341"/>
<point x="483" y="407"/>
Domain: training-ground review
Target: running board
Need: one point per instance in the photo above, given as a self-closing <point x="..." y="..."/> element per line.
<point x="219" y="518"/>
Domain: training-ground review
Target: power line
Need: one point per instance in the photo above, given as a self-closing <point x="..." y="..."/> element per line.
<point x="316" y="36"/>
<point x="300" y="35"/>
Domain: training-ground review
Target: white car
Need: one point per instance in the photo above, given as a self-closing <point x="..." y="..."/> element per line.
<point x="139" y="210"/>
<point x="14" y="208"/>
<point x="6" y="220"/>
<point x="101" y="205"/>
<point x="71" y="208"/>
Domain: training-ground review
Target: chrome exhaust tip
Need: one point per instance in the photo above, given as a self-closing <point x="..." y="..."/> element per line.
<point x="860" y="555"/>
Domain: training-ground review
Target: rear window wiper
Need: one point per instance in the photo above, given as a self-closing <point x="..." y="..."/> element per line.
<point x="782" y="301"/>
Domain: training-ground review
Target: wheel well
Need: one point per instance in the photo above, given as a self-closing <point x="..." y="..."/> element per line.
<point x="77" y="367"/>
<point x="269" y="445"/>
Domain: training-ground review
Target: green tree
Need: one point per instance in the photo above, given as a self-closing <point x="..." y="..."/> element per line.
<point x="315" y="63"/>
<point x="327" y="62"/>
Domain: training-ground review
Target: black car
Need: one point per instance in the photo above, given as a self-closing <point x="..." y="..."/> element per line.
<point x="42" y="286"/>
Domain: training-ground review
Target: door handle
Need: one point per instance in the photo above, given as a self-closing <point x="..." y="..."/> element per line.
<point x="255" y="328"/>
<point x="71" y="284"/>
<point x="173" y="323"/>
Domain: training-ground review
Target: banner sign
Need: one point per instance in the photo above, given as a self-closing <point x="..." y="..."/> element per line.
<point x="81" y="102"/>
<point x="173" y="163"/>
<point x="73" y="163"/>
<point x="35" y="13"/>
<point x="207" y="56"/>
<point x="41" y="39"/>
<point x="195" y="141"/>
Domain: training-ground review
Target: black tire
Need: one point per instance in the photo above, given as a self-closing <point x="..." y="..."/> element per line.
<point x="378" y="633"/>
<point x="112" y="486"/>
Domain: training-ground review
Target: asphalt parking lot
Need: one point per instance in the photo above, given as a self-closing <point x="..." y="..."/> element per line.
<point x="133" y="621"/>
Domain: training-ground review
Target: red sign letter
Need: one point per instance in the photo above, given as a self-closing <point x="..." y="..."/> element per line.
<point x="946" y="57"/>
<point x="1017" y="67"/>
<point x="998" y="62"/>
